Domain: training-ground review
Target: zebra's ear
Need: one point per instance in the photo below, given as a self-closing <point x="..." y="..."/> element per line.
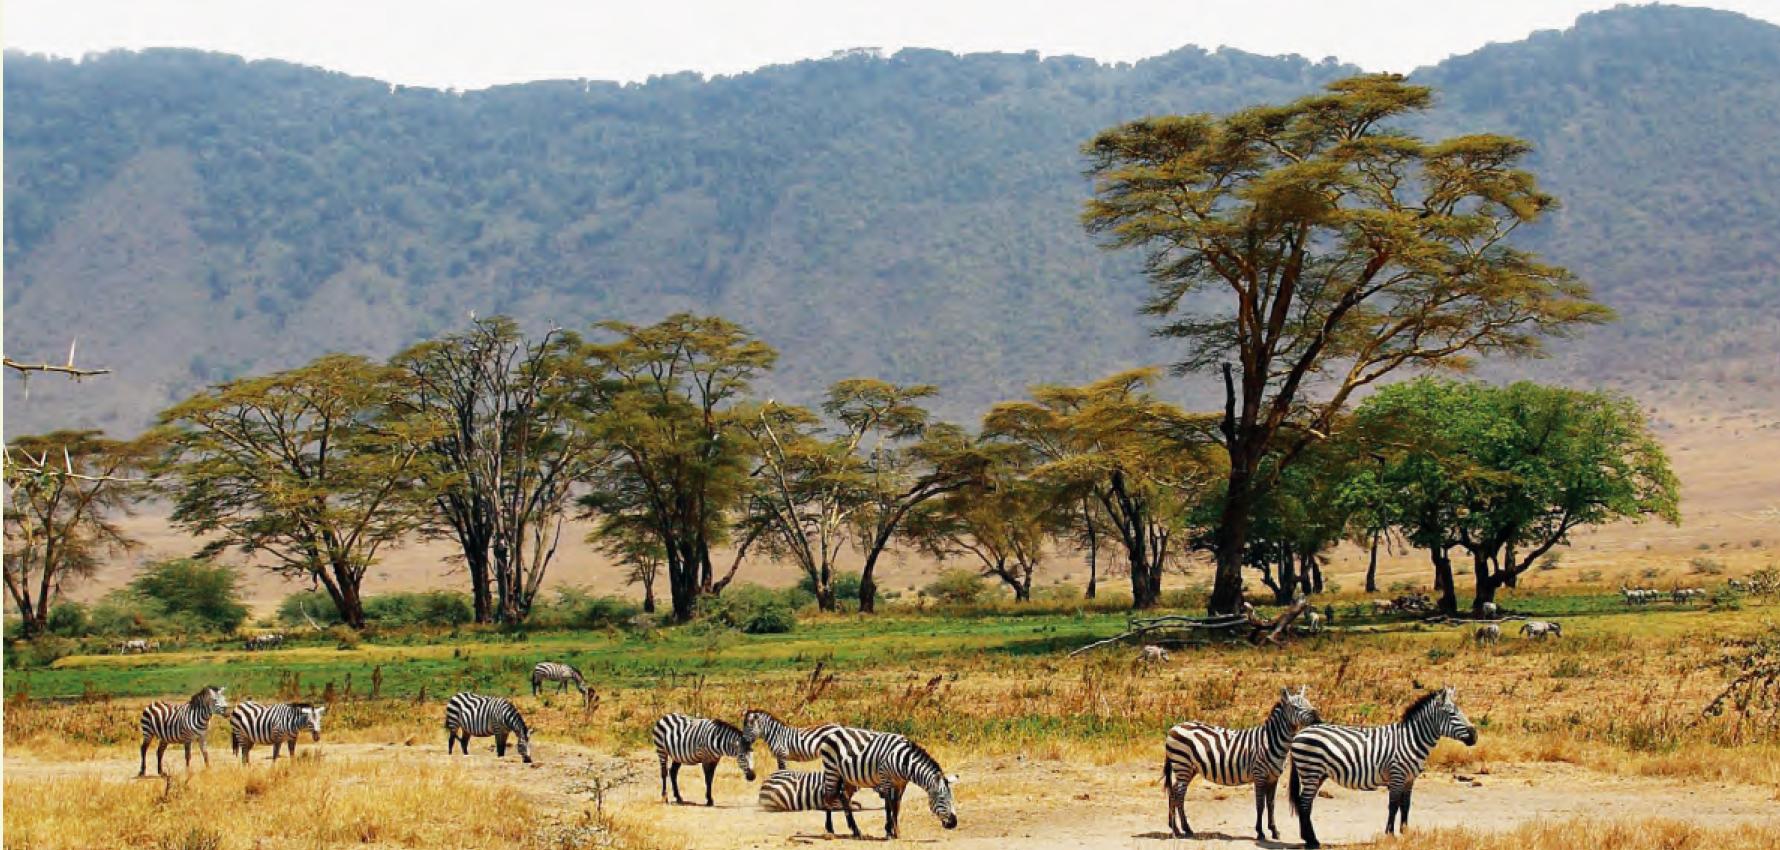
<point x="1285" y="693"/>
<point x="952" y="779"/>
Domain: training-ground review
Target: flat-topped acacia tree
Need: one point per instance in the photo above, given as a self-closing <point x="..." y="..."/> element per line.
<point x="1308" y="250"/>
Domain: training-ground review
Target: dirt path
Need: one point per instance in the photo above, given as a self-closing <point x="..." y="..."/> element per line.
<point x="1048" y="804"/>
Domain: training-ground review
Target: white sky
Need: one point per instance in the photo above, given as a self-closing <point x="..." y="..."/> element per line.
<point x="454" y="43"/>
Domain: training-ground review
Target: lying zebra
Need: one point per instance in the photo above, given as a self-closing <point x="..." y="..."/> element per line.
<point x="682" y="740"/>
<point x="1366" y="757"/>
<point x="1255" y="755"/>
<point x="278" y="724"/>
<point x="1541" y="629"/>
<point x="787" y="743"/>
<point x="798" y="791"/>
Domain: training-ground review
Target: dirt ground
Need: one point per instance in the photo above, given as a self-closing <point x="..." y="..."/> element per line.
<point x="1039" y="804"/>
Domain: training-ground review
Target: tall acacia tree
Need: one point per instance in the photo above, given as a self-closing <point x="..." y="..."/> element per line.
<point x="1309" y="250"/>
<point x="663" y="405"/>
<point x="64" y="493"/>
<point x="308" y="469"/>
<point x="508" y="443"/>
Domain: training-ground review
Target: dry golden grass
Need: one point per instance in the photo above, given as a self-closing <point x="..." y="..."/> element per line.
<point x="1592" y="834"/>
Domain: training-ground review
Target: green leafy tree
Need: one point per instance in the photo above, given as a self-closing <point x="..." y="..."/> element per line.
<point x="508" y="443"/>
<point x="306" y="470"/>
<point x="64" y="492"/>
<point x="195" y="589"/>
<point x="1309" y="250"/>
<point x="1002" y="525"/>
<point x="664" y="406"/>
<point x="805" y="491"/>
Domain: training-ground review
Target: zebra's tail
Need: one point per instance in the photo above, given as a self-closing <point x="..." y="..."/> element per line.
<point x="1294" y="789"/>
<point x="1167" y="772"/>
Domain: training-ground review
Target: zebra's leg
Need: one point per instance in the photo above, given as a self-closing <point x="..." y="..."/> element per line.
<point x="204" y="750"/>
<point x="535" y="684"/>
<point x="893" y="813"/>
<point x="1272" y="796"/>
<point x="674" y="775"/>
<point x="275" y="744"/>
<point x="243" y="748"/>
<point x="1263" y="792"/>
<point x="710" y="774"/>
<point x="188" y="757"/>
<point x="160" y="754"/>
<point x="500" y="746"/>
<point x="851" y="823"/>
<point x="144" y="770"/>
<point x="1403" y="808"/>
<point x="663" y="759"/>
<point x="1303" y="793"/>
<point x="1177" y="802"/>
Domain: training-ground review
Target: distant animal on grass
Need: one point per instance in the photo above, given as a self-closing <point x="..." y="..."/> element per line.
<point x="1312" y="622"/>
<point x="180" y="723"/>
<point x="1684" y="595"/>
<point x="1383" y="606"/>
<point x="136" y="645"/>
<point x="266" y="641"/>
<point x="563" y="675"/>
<point x="1252" y="756"/>
<point x="1488" y="610"/>
<point x="278" y="724"/>
<point x="1541" y="629"/>
<point x="1152" y="654"/>
<point x="1367" y="757"/>
<point x="682" y="740"/>
<point x="797" y="791"/>
<point x="1488" y="633"/>
<point x="470" y="715"/>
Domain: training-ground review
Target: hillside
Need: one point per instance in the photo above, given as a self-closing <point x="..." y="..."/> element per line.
<point x="191" y="217"/>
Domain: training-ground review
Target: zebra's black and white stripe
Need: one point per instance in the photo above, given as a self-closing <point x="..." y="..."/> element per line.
<point x="278" y="724"/>
<point x="889" y="763"/>
<point x="1254" y="755"/>
<point x="180" y="723"/>
<point x="680" y="739"/>
<point x="788" y="743"/>
<point x="470" y="715"/>
<point x="797" y="791"/>
<point x="1367" y="757"/>
<point x="562" y="674"/>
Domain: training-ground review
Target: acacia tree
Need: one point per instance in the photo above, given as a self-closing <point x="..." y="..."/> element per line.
<point x="805" y="490"/>
<point x="509" y="442"/>
<point x="64" y="491"/>
<point x="1001" y="523"/>
<point x="1299" y="520"/>
<point x="1308" y="250"/>
<point x="308" y="468"/>
<point x="1138" y="458"/>
<point x="663" y="407"/>
<point x="630" y="542"/>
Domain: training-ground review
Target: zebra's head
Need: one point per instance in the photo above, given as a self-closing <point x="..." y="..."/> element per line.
<point x="745" y="758"/>
<point x="312" y="720"/>
<point x="212" y="699"/>
<point x="1454" y="723"/>
<point x="1295" y="708"/>
<point x="939" y="799"/>
<point x="754" y="722"/>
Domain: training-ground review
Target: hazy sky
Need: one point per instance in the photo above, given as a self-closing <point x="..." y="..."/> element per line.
<point x="469" y="45"/>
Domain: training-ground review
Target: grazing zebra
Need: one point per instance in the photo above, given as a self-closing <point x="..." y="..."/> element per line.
<point x="263" y="641"/>
<point x="1541" y="629"/>
<point x="1234" y="757"/>
<point x="276" y="724"/>
<point x="180" y="724"/>
<point x="1313" y="621"/>
<point x="1686" y="594"/>
<point x="1737" y="585"/>
<point x="1489" y="633"/>
<point x="1488" y="610"/>
<point x="788" y="743"/>
<point x="887" y="763"/>
<point x="468" y="715"/>
<point x="681" y="740"/>
<point x="1152" y="654"/>
<point x="796" y="791"/>
<point x="563" y="675"/>
<point x="1366" y="757"/>
<point x="136" y="645"/>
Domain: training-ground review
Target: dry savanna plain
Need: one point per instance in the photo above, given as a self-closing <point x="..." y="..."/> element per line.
<point x="1596" y="739"/>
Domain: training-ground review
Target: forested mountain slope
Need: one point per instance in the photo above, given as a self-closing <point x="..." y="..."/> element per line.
<point x="192" y="217"/>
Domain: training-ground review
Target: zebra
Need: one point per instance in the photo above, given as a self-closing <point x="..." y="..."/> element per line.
<point x="468" y="714"/>
<point x="278" y="723"/>
<point x="1366" y="757"/>
<point x="136" y="645"/>
<point x="180" y="724"/>
<point x="267" y="641"/>
<point x="1254" y="755"/>
<point x="887" y="763"/>
<point x="796" y="791"/>
<point x="1683" y="595"/>
<point x="1313" y="622"/>
<point x="563" y="675"/>
<point x="1489" y="633"/>
<point x="1541" y="629"/>
<point x="1488" y="610"/>
<point x="788" y="743"/>
<point x="1152" y="654"/>
<point x="680" y="740"/>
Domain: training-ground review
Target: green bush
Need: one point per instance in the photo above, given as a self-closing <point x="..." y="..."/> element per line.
<point x="203" y="593"/>
<point x="579" y="608"/>
<point x="40" y="652"/>
<point x="69" y="619"/>
<point x="126" y="613"/>
<point x="344" y="637"/>
<point x="751" y="609"/>
<point x="846" y="588"/>
<point x="432" y="608"/>
<point x="957" y="587"/>
<point x="316" y="603"/>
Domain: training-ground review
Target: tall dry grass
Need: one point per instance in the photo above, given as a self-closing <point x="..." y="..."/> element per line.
<point x="1592" y="834"/>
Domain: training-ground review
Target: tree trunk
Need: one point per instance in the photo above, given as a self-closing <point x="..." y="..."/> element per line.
<point x="1372" y="567"/>
<point x="477" y="562"/>
<point x="1443" y="583"/>
<point x="683" y="580"/>
<point x="649" y="597"/>
<point x="868" y="585"/>
<point x="1286" y="587"/>
<point x="1093" y="550"/>
<point x="1487" y="583"/>
<point x="1232" y="540"/>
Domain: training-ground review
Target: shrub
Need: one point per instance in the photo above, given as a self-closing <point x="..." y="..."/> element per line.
<point x="316" y="603"/>
<point x="1589" y="576"/>
<point x="846" y="586"/>
<point x="1703" y="566"/>
<point x="956" y="587"/>
<point x="1765" y="582"/>
<point x="751" y="609"/>
<point x="345" y="637"/>
<point x="40" y="652"/>
<point x="432" y="608"/>
<point x="197" y="590"/>
<point x="126" y="613"/>
<point x="578" y="608"/>
<point x="69" y="619"/>
<point x="1727" y="598"/>
<point x="1651" y="573"/>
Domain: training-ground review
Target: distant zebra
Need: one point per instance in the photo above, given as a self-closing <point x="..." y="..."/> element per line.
<point x="888" y="763"/>
<point x="180" y="724"/>
<point x="563" y="675"/>
<point x="1683" y="595"/>
<point x="1151" y="655"/>
<point x="788" y="743"/>
<point x="1366" y="757"/>
<point x="137" y="645"/>
<point x="1541" y="629"/>
<point x="267" y="641"/>
<point x="1254" y="755"/>
<point x="275" y="723"/>
<point x="474" y="715"/>
<point x="681" y="740"/>
<point x="1313" y="622"/>
<point x="796" y="791"/>
<point x="1489" y="633"/>
<point x="1488" y="610"/>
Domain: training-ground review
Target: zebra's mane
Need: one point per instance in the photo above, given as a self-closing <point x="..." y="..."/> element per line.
<point x="724" y="725"/>
<point x="198" y="698"/>
<point x="1420" y="703"/>
<point x="926" y="758"/>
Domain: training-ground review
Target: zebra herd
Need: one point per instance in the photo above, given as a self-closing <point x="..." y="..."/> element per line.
<point x="1679" y="596"/>
<point x="1359" y="757"/>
